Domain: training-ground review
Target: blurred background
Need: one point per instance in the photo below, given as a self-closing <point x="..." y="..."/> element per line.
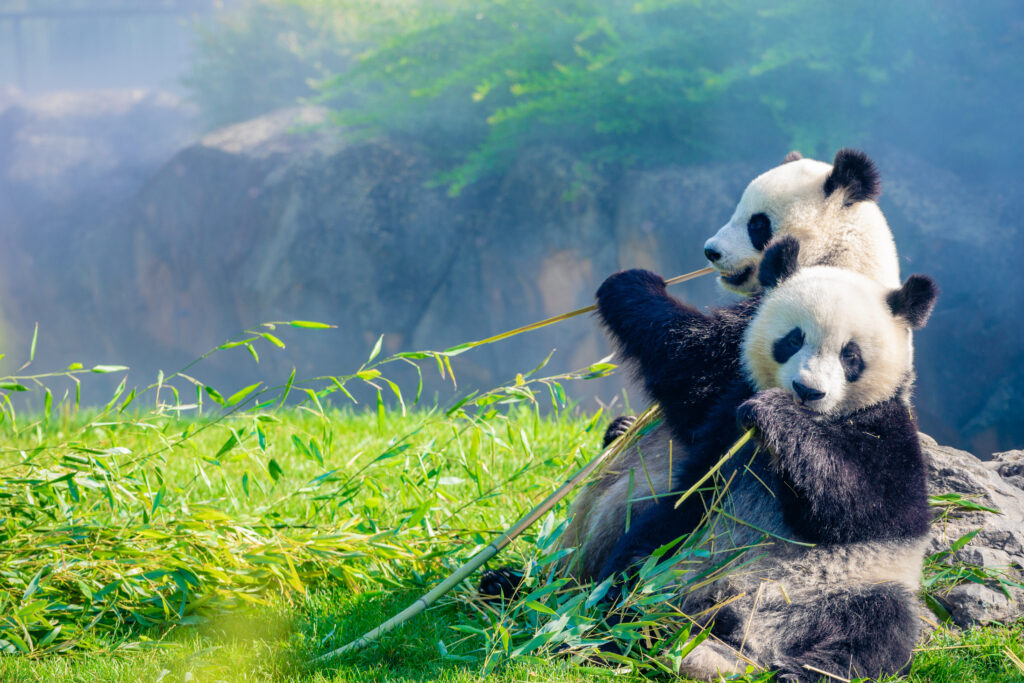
<point x="174" y="171"/>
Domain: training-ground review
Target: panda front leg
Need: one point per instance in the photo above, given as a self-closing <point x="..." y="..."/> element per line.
<point x="857" y="476"/>
<point x="644" y="320"/>
<point x="826" y="464"/>
<point x="685" y="357"/>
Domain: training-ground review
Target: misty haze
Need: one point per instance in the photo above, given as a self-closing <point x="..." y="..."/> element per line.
<point x="176" y="173"/>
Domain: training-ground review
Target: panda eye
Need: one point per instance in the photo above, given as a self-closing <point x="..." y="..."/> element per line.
<point x="784" y="348"/>
<point x="852" y="360"/>
<point x="759" y="228"/>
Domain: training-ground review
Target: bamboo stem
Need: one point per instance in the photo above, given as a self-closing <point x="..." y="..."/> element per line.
<point x="566" y="316"/>
<point x="644" y="423"/>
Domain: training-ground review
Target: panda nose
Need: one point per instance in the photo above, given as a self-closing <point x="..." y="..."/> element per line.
<point x="806" y="393"/>
<point x="711" y="254"/>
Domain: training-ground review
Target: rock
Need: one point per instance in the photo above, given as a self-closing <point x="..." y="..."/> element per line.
<point x="257" y="222"/>
<point x="971" y="604"/>
<point x="139" y="244"/>
<point x="959" y="230"/>
<point x="1010" y="466"/>
<point x="998" y="546"/>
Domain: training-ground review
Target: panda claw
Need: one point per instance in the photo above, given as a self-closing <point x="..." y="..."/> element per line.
<point x="617" y="428"/>
<point x="500" y="585"/>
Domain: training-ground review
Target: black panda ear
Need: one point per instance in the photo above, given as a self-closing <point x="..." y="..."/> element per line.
<point x="855" y="174"/>
<point x="793" y="156"/>
<point x="779" y="262"/>
<point x="914" y="301"/>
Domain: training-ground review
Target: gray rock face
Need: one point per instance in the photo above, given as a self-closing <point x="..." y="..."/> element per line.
<point x="1010" y="466"/>
<point x="998" y="545"/>
<point x="148" y="252"/>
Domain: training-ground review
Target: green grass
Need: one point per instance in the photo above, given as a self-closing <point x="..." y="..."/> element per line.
<point x="220" y="536"/>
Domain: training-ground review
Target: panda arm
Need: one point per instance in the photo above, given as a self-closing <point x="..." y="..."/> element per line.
<point x="657" y="526"/>
<point x="684" y="356"/>
<point x="857" y="477"/>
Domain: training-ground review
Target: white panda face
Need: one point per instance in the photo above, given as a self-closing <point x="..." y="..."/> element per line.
<point x="829" y="337"/>
<point x="787" y="200"/>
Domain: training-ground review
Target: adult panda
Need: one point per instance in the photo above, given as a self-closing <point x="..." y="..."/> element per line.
<point x="831" y="211"/>
<point x="827" y="511"/>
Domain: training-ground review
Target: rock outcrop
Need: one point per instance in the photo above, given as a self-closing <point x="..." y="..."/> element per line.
<point x="997" y="546"/>
<point x="152" y="263"/>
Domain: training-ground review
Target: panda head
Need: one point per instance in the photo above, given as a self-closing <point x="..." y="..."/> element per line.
<point x="835" y="339"/>
<point x="803" y="198"/>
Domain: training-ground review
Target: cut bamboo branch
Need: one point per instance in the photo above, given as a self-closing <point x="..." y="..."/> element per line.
<point x="647" y="421"/>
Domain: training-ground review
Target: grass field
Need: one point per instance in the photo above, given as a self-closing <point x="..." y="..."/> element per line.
<point x="237" y="540"/>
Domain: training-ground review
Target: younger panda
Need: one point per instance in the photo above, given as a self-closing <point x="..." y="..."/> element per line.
<point x="831" y="212"/>
<point x="828" y="509"/>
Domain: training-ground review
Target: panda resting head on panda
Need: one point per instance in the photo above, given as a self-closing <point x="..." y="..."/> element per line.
<point x="830" y="209"/>
<point x="833" y="510"/>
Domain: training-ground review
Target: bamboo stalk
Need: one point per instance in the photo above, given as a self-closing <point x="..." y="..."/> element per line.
<point x="644" y="423"/>
<point x="566" y="316"/>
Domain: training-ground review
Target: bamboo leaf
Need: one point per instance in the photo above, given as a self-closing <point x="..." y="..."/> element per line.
<point x="272" y="339"/>
<point x="311" y="325"/>
<point x="214" y="394"/>
<point x="32" y="347"/>
<point x="376" y="349"/>
<point x="239" y="395"/>
<point x="274" y="469"/>
<point x="103" y="369"/>
<point x="287" y="387"/>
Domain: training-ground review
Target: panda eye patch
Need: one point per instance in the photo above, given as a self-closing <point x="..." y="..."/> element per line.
<point x="759" y="228"/>
<point x="852" y="360"/>
<point x="784" y="348"/>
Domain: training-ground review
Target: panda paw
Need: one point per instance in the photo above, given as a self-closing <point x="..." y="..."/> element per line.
<point x="629" y="283"/>
<point x="500" y="585"/>
<point x="617" y="428"/>
<point x="764" y="410"/>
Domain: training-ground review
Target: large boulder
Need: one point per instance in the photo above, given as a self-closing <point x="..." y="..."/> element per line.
<point x="128" y="246"/>
<point x="997" y="547"/>
<point x="277" y="218"/>
<point x="964" y="230"/>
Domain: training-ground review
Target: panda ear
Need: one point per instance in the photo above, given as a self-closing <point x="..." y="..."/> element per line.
<point x="854" y="174"/>
<point x="914" y="301"/>
<point x="779" y="262"/>
<point x="793" y="156"/>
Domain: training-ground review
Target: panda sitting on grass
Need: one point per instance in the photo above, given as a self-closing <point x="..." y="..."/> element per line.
<point x="831" y="211"/>
<point x="828" y="508"/>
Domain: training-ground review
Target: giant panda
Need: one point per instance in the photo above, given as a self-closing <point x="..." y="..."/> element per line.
<point x="831" y="211"/>
<point x="828" y="504"/>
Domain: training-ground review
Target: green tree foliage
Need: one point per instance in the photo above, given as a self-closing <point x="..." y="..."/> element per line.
<point x="249" y="63"/>
<point x="654" y="80"/>
<point x="648" y="81"/>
